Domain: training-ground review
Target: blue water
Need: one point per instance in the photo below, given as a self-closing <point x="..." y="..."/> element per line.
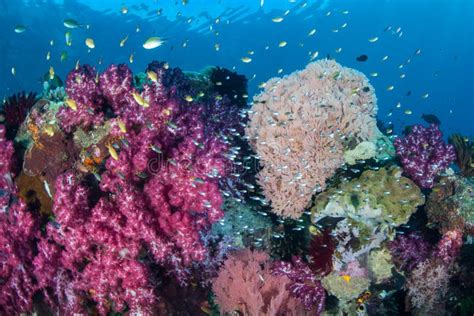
<point x="442" y="29"/>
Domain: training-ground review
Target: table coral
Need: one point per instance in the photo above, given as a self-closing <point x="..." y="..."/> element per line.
<point x="300" y="126"/>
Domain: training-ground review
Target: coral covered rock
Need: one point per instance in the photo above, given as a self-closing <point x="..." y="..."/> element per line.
<point x="380" y="264"/>
<point x="451" y="204"/>
<point x="300" y="126"/>
<point x="377" y="196"/>
<point x="345" y="287"/>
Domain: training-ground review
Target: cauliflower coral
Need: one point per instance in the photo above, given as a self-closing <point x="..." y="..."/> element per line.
<point x="300" y="126"/>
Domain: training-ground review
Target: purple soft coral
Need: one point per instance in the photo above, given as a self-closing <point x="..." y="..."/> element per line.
<point x="409" y="250"/>
<point x="303" y="283"/>
<point x="424" y="154"/>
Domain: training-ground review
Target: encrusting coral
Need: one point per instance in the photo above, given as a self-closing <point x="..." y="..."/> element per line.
<point x="300" y="126"/>
<point x="377" y="196"/>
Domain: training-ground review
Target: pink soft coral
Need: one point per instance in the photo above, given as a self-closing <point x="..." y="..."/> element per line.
<point x="18" y="231"/>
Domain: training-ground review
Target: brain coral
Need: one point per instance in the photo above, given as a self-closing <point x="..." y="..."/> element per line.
<point x="376" y="196"/>
<point x="300" y="126"/>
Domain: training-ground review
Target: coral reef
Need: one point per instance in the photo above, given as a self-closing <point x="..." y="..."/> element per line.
<point x="300" y="126"/>
<point x="424" y="155"/>
<point x="138" y="194"/>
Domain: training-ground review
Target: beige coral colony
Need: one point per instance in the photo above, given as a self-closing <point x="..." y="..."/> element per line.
<point x="301" y="126"/>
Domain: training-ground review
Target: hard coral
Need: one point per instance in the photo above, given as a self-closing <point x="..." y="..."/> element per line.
<point x="424" y="155"/>
<point x="300" y="125"/>
<point x="375" y="197"/>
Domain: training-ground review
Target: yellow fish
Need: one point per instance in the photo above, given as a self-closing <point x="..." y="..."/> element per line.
<point x="68" y="38"/>
<point x="63" y="56"/>
<point x="152" y="75"/>
<point x="246" y="60"/>
<point x="188" y="98"/>
<point x="138" y="98"/>
<point x="49" y="130"/>
<point x="122" y="126"/>
<point x="123" y="41"/>
<point x="282" y="44"/>
<point x="51" y="73"/>
<point x="112" y="152"/>
<point x="153" y="42"/>
<point x="313" y="230"/>
<point x="72" y="104"/>
<point x="90" y="43"/>
<point x="277" y="19"/>
<point x="346" y="278"/>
